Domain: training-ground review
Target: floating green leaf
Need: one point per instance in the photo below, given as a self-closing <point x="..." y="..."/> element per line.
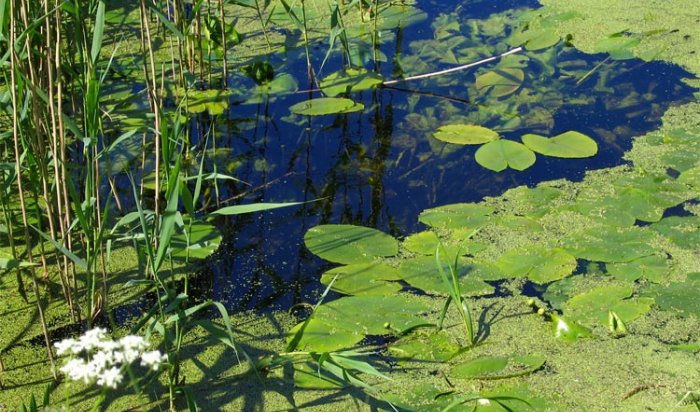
<point x="344" y="322"/>
<point x="684" y="231"/>
<point x="611" y="244"/>
<point x="540" y="265"/>
<point x="363" y="279"/>
<point x="465" y="134"/>
<point x="422" y="273"/>
<point x="618" y="45"/>
<point x="324" y="105"/>
<point x="681" y="297"/>
<point x="595" y="304"/>
<point x="456" y="216"/>
<point x="500" y="154"/>
<point x="434" y="346"/>
<point x="349" y="80"/>
<point x="497" y="367"/>
<point x="535" y="39"/>
<point x="349" y="244"/>
<point x="653" y="268"/>
<point x="500" y="82"/>
<point x="213" y="101"/>
<point x="569" y="144"/>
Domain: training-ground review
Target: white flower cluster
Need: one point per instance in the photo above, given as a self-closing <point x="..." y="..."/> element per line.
<point x="102" y="359"/>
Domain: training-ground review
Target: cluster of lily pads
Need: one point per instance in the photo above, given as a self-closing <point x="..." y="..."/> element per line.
<point x="621" y="237"/>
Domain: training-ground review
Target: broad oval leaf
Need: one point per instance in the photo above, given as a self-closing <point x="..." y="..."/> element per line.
<point x="349" y="80"/>
<point x="569" y="144"/>
<point x="500" y="154"/>
<point x="595" y="304"/>
<point x="363" y="279"/>
<point x="322" y="106"/>
<point x="500" y="82"/>
<point x="465" y="134"/>
<point x="538" y="264"/>
<point x="422" y="273"/>
<point x="653" y="268"/>
<point x="349" y="243"/>
<point x="498" y="367"/>
<point x="568" y="330"/>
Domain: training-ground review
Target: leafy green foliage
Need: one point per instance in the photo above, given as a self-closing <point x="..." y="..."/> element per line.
<point x="498" y="367"/>
<point x="653" y="268"/>
<point x="461" y="216"/>
<point x="610" y="244"/>
<point x="594" y="305"/>
<point x="500" y="82"/>
<point x="324" y="106"/>
<point x="421" y="273"/>
<point x="465" y="134"/>
<point x="501" y="154"/>
<point x="349" y="244"/>
<point x="568" y="330"/>
<point x="363" y="279"/>
<point x="349" y="80"/>
<point x="344" y="322"/>
<point x="540" y="265"/>
<point x="679" y="297"/>
<point x="569" y="144"/>
<point x="424" y="345"/>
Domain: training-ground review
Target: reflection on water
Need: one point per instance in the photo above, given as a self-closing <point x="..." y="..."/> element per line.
<point x="381" y="167"/>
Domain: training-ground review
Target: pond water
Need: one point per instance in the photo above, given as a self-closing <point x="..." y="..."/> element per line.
<point x="381" y="167"/>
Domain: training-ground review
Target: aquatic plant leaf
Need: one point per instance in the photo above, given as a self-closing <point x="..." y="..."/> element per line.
<point x="435" y="346"/>
<point x="497" y="367"/>
<point x="456" y="216"/>
<point x="679" y="297"/>
<point x="535" y="201"/>
<point x="344" y="322"/>
<point x="500" y="154"/>
<point x="611" y="244"/>
<point x="559" y="292"/>
<point x="349" y="243"/>
<point x="213" y="101"/>
<point x="500" y="82"/>
<point x="203" y="240"/>
<point x="569" y="144"/>
<point x="653" y="268"/>
<point x="349" y="80"/>
<point x="363" y="279"/>
<point x="421" y="273"/>
<point x="684" y="231"/>
<point x="322" y="106"/>
<point x="607" y="211"/>
<point x="535" y="39"/>
<point x="595" y="304"/>
<point x="616" y="326"/>
<point x="425" y="243"/>
<point x="465" y="134"/>
<point x="540" y="265"/>
<point x="647" y="197"/>
<point x="282" y="84"/>
<point x="618" y="45"/>
<point x="568" y="330"/>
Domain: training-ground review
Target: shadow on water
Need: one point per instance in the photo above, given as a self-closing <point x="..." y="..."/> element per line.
<point x="381" y="167"/>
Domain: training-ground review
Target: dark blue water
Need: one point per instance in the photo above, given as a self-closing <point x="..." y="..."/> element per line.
<point x="380" y="167"/>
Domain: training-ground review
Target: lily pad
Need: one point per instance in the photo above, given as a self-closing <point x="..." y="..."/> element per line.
<point x="500" y="154"/>
<point x="465" y="134"/>
<point x="349" y="244"/>
<point x="611" y="244"/>
<point x="363" y="279"/>
<point x="594" y="305"/>
<point x="344" y="322"/>
<point x="540" y="265"/>
<point x="213" y="101"/>
<point x="680" y="297"/>
<point x="500" y="82"/>
<point x="684" y="231"/>
<point x="653" y="268"/>
<point x="498" y="367"/>
<point x="569" y="144"/>
<point x="468" y="216"/>
<point x="425" y="243"/>
<point x="349" y="80"/>
<point x="323" y="106"/>
<point x="434" y="346"/>
<point x="422" y="273"/>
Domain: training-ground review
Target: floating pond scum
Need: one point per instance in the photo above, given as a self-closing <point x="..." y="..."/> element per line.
<point x="365" y="231"/>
